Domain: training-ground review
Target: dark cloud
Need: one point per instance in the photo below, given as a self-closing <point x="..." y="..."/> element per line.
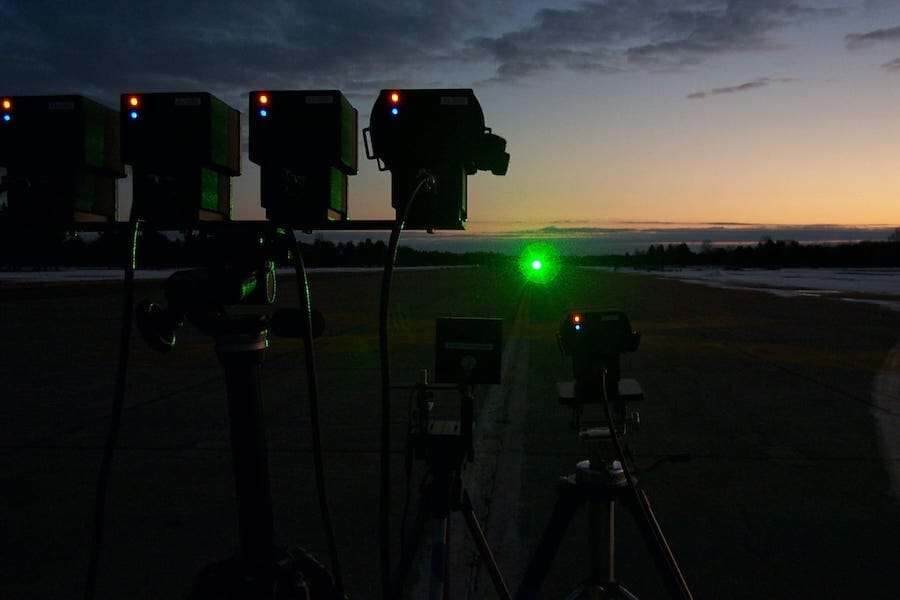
<point x="892" y="65"/>
<point x="744" y="87"/>
<point x="860" y="40"/>
<point x="103" y="47"/>
<point x="605" y="36"/>
<point x="891" y="35"/>
<point x="586" y="241"/>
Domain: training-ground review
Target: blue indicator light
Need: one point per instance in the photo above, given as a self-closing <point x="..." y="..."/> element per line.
<point x="134" y="114"/>
<point x="263" y="112"/>
<point x="578" y="328"/>
<point x="395" y="111"/>
<point x="7" y="118"/>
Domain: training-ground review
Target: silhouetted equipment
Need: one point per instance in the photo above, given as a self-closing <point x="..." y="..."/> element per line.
<point x="305" y="143"/>
<point x="438" y="131"/>
<point x="594" y="340"/>
<point x="62" y="159"/>
<point x="184" y="148"/>
<point x="208" y="298"/>
<point x="469" y="351"/>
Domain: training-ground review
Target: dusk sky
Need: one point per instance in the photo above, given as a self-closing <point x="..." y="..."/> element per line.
<point x="771" y="111"/>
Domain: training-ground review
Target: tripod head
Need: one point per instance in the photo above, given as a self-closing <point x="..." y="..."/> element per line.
<point x="203" y="295"/>
<point x="200" y="296"/>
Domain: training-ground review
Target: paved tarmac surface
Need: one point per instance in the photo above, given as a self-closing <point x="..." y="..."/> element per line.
<point x="758" y="447"/>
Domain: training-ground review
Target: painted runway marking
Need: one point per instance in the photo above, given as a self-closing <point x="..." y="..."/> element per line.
<point x="886" y="412"/>
<point x="494" y="479"/>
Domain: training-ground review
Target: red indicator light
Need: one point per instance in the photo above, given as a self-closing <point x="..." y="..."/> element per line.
<point x="576" y="318"/>
<point x="395" y="97"/>
<point x="133" y="101"/>
<point x="7" y="104"/>
<point x="263" y="99"/>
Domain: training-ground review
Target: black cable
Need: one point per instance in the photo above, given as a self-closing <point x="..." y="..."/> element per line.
<point x="315" y="429"/>
<point x="408" y="468"/>
<point x="118" y="402"/>
<point x="384" y="541"/>
<point x="675" y="580"/>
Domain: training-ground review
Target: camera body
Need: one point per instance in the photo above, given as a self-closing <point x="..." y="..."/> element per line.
<point x="595" y="339"/>
<point x="440" y="132"/>
<point x="184" y="148"/>
<point x="601" y="332"/>
<point x="62" y="157"/>
<point x="305" y="143"/>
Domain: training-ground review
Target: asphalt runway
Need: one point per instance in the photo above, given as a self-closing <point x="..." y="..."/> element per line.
<point x="758" y="447"/>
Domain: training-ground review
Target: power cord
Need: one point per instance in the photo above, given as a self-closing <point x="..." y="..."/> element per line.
<point x="384" y="542"/>
<point x="112" y="434"/>
<point x="315" y="429"/>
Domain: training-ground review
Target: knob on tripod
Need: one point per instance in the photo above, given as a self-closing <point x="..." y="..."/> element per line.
<point x="157" y="325"/>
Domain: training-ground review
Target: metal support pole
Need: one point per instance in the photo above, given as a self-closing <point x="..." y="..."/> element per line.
<point x="438" y="558"/>
<point x="240" y="350"/>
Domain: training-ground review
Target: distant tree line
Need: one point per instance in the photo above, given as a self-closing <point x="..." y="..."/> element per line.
<point x="42" y="249"/>
<point x="768" y="253"/>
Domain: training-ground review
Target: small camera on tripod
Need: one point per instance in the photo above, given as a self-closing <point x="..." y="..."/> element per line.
<point x="184" y="149"/>
<point x="305" y="143"/>
<point x="603" y="333"/>
<point x="468" y="352"/>
<point x="62" y="159"/>
<point x="595" y="339"/>
<point x="438" y="131"/>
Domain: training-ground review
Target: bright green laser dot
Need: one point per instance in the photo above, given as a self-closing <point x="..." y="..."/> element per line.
<point x="539" y="262"/>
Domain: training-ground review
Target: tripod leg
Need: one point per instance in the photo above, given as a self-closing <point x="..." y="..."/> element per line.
<point x="410" y="545"/>
<point x="602" y="525"/>
<point x="612" y="540"/>
<point x="567" y="502"/>
<point x="483" y="549"/>
<point x="658" y="545"/>
<point x="438" y="558"/>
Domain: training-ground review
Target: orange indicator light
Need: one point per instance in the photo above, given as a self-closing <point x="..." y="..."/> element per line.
<point x="263" y="99"/>
<point x="7" y="104"/>
<point x="576" y="318"/>
<point x="134" y="101"/>
<point x="395" y="97"/>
